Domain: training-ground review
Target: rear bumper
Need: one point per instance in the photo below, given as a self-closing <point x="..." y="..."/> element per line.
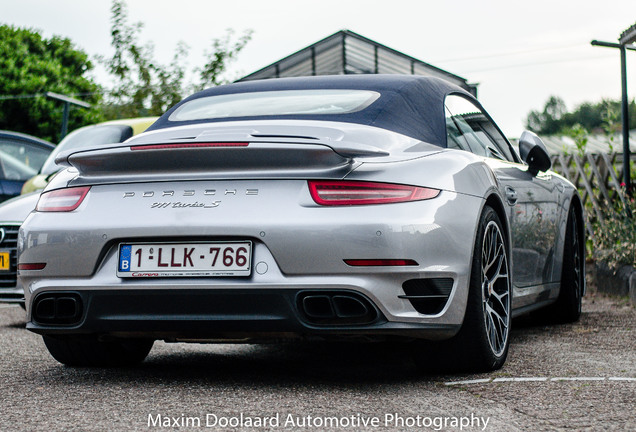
<point x="211" y="315"/>
<point x="297" y="246"/>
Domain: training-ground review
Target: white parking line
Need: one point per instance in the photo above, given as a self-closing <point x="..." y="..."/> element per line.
<point x="537" y="379"/>
<point x="475" y="381"/>
<point x="519" y="379"/>
<point x="578" y="379"/>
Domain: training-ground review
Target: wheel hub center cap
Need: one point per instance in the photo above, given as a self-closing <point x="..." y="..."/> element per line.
<point x="488" y="289"/>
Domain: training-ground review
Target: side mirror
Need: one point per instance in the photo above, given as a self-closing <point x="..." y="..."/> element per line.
<point x="534" y="153"/>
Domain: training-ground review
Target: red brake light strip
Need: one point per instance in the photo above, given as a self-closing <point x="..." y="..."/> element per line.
<point x="380" y="262"/>
<point x="188" y="145"/>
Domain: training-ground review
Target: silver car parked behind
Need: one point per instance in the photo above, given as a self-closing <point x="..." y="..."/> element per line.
<point x="368" y="207"/>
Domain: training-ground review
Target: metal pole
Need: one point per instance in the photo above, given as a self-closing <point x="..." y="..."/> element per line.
<point x="67" y="106"/>
<point x="624" y="109"/>
<point x="625" y="115"/>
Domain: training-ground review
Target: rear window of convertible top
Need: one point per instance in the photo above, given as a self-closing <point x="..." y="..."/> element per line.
<point x="275" y="103"/>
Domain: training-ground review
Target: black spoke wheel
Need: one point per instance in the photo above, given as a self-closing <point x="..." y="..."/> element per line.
<point x="567" y="308"/>
<point x="483" y="340"/>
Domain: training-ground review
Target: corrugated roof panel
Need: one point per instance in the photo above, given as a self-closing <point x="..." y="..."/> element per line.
<point x="332" y="43"/>
<point x="302" y="68"/>
<point x="329" y="59"/>
<point x="391" y="63"/>
<point x="358" y="64"/>
<point x="360" y="56"/>
<point x="292" y="61"/>
<point x="329" y="63"/>
<point x="361" y="48"/>
<point x="355" y="65"/>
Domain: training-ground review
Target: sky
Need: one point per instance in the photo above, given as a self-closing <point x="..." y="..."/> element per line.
<point x="520" y="52"/>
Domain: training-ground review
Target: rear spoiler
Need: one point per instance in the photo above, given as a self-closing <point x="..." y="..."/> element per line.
<point x="79" y="159"/>
<point x="197" y="160"/>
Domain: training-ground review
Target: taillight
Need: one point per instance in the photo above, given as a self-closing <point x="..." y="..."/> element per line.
<point x="31" y="266"/>
<point x="340" y="193"/>
<point x="62" y="200"/>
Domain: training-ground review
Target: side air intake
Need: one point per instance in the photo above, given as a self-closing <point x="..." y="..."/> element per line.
<point x="428" y="296"/>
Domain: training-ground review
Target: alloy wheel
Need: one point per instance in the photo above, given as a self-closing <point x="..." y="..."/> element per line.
<point x="495" y="276"/>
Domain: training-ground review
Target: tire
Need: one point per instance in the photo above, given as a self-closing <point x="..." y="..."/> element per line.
<point x="567" y="308"/>
<point x="481" y="345"/>
<point x="89" y="351"/>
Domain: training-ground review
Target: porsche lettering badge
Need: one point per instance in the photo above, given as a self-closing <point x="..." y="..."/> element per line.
<point x="189" y="193"/>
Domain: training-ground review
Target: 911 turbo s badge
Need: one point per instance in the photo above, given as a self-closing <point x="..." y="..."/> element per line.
<point x="189" y="193"/>
<point x="179" y="204"/>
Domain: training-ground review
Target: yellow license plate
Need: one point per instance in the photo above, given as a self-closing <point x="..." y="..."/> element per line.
<point x="4" y="261"/>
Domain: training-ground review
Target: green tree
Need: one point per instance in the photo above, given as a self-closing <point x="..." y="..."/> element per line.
<point x="600" y="117"/>
<point x="224" y="50"/>
<point x="31" y="65"/>
<point x="142" y="85"/>
<point x="549" y="120"/>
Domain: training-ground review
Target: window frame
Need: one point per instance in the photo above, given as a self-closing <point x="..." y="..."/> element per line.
<point x="503" y="155"/>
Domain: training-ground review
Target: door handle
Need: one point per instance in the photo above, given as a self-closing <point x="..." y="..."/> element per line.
<point x="511" y="195"/>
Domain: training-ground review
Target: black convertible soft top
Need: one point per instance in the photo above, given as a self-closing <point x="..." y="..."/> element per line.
<point x="408" y="104"/>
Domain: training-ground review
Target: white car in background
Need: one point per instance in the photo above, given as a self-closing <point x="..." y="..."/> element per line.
<point x="13" y="212"/>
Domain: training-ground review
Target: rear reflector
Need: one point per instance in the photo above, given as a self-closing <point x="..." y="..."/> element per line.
<point x="62" y="200"/>
<point x="31" y="266"/>
<point x="187" y="145"/>
<point x="380" y="262"/>
<point x="341" y="193"/>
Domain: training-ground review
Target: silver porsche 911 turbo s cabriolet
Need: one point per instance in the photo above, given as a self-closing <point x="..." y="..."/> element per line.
<point x="366" y="206"/>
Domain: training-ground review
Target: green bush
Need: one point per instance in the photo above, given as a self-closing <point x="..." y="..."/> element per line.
<point x="614" y="241"/>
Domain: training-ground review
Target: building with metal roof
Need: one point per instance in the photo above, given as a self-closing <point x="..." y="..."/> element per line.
<point x="628" y="36"/>
<point x="346" y="52"/>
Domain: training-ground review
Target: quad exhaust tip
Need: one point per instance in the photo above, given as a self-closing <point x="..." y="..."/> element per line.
<point x="336" y="308"/>
<point x="57" y="308"/>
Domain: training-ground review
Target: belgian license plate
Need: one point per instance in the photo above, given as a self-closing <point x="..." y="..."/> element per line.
<point x="185" y="259"/>
<point x="5" y="264"/>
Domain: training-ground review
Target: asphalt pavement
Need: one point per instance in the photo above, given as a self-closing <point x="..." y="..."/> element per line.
<point x="578" y="376"/>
